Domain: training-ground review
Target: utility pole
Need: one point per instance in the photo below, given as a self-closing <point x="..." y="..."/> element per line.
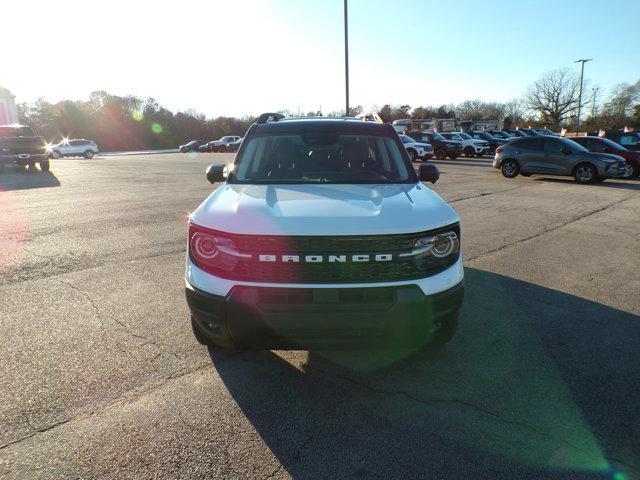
<point x="346" y="58"/>
<point x="582" y="61"/>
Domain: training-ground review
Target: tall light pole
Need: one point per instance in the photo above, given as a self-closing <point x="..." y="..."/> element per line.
<point x="346" y="59"/>
<point x="582" y="61"/>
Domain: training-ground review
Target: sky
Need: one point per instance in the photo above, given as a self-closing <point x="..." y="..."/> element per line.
<point x="244" y="57"/>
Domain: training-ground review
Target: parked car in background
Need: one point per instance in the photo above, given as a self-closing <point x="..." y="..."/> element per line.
<point x="517" y="133"/>
<point x="416" y="150"/>
<point x="531" y="132"/>
<point x="235" y="146"/>
<point x="20" y="146"/>
<point x="604" y="145"/>
<point x="470" y="146"/>
<point x="442" y="147"/>
<point x="545" y="131"/>
<point x="500" y="134"/>
<point x="221" y="145"/>
<point x="555" y="156"/>
<point x="192" y="146"/>
<point x="629" y="140"/>
<point x="490" y="139"/>
<point x="76" y="147"/>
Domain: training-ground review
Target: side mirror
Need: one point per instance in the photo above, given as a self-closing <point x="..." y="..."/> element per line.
<point x="215" y="173"/>
<point x="429" y="173"/>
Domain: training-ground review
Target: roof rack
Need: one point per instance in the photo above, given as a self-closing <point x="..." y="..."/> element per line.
<point x="269" y="117"/>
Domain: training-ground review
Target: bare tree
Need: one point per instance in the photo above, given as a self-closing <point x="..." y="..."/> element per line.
<point x="554" y="97"/>
<point x="622" y="99"/>
<point x="479" y="110"/>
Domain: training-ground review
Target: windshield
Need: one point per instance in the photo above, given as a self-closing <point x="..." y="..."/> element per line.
<point x="11" y="132"/>
<point x="466" y="136"/>
<point x="406" y="139"/>
<point x="325" y="158"/>
<point x="613" y="145"/>
<point x="437" y="136"/>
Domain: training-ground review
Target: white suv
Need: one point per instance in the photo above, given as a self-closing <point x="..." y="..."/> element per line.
<point x="416" y="150"/>
<point x="470" y="145"/>
<point x="322" y="236"/>
<point x="74" y="148"/>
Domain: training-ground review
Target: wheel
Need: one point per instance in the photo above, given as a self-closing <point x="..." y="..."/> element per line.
<point x="453" y="157"/>
<point x="44" y="165"/>
<point x="88" y="154"/>
<point x="441" y="154"/>
<point x="510" y="168"/>
<point x="445" y="331"/>
<point x="412" y="154"/>
<point x="628" y="171"/>
<point x="585" y="173"/>
<point x="469" y="152"/>
<point x="183" y="150"/>
<point x="56" y="154"/>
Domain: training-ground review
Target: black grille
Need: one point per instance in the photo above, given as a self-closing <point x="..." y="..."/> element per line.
<point x="325" y="272"/>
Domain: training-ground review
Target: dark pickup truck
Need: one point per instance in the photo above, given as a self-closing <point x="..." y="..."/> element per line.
<point x="20" y="146"/>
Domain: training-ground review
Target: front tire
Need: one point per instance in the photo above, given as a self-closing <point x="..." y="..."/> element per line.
<point x="469" y="152"/>
<point x="441" y="154"/>
<point x="585" y="173"/>
<point x="88" y="154"/>
<point x="510" y="168"/>
<point x="629" y="171"/>
<point x="56" y="154"/>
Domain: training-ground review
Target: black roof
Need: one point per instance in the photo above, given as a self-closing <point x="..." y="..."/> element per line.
<point x="324" y="124"/>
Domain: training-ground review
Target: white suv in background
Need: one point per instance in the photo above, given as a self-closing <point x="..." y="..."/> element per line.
<point x="74" y="148"/>
<point x="470" y="145"/>
<point x="416" y="150"/>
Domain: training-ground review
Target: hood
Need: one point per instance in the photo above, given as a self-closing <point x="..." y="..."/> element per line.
<point x="324" y="209"/>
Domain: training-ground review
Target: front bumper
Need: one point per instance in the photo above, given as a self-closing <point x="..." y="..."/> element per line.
<point x="22" y="159"/>
<point x="395" y="317"/>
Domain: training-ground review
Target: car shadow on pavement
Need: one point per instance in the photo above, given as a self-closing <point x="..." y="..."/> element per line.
<point x="536" y="384"/>
<point x="23" y="180"/>
<point x="631" y="184"/>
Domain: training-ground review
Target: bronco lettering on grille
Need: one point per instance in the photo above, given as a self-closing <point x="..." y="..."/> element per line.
<point x="379" y="257"/>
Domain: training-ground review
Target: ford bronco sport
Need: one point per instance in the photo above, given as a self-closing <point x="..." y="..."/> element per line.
<point x="323" y="236"/>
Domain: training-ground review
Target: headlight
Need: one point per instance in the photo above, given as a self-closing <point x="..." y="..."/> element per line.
<point x="212" y="253"/>
<point x="441" y="246"/>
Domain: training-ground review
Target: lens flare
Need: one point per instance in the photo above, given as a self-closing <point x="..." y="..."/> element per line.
<point x="137" y="115"/>
<point x="156" y="128"/>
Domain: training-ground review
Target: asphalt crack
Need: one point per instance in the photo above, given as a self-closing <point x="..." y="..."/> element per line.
<point x="455" y="401"/>
<point x="551" y="229"/>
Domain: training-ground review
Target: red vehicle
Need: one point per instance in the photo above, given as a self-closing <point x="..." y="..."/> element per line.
<point x="604" y="145"/>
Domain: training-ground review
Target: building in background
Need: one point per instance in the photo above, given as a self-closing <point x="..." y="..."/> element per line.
<point x="8" y="110"/>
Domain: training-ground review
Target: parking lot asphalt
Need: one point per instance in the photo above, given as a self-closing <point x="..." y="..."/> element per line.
<point x="102" y="378"/>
